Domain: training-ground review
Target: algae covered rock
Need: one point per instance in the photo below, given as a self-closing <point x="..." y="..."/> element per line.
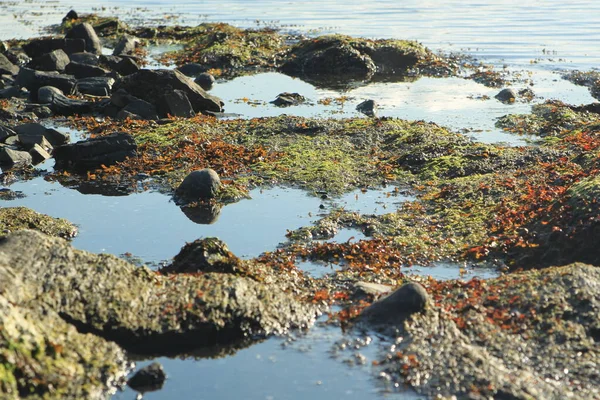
<point x="18" y="218"/>
<point x="204" y="255"/>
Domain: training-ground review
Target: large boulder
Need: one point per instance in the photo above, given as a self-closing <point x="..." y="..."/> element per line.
<point x="39" y="47"/>
<point x="93" y="153"/>
<point x="33" y="80"/>
<point x="152" y="85"/>
<point x="56" y="60"/>
<point x="86" y="32"/>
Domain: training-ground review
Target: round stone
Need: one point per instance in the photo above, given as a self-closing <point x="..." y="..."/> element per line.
<point x="205" y="81"/>
<point x="199" y="185"/>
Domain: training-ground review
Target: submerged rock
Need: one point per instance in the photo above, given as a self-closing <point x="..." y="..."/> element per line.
<point x="150" y="378"/>
<point x="199" y="185"/>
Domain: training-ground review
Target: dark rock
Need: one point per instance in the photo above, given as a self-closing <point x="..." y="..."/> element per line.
<point x="126" y="45"/>
<point x="390" y="59"/>
<point x="64" y="105"/>
<point x="394" y="309"/>
<point x="56" y="60"/>
<point x="122" y="115"/>
<point x="86" y="32"/>
<point x="367" y="107"/>
<point x="93" y="153"/>
<point x="175" y="104"/>
<point x="121" y="98"/>
<point x="288" y="99"/>
<point x="151" y="85"/>
<point x="57" y="138"/>
<point x="109" y="62"/>
<point x="150" y="378"/>
<point x="39" y="154"/>
<point x="5" y="132"/>
<point x="79" y="70"/>
<point x="71" y="15"/>
<point x="203" y="255"/>
<point x="127" y="66"/>
<point x="204" y="214"/>
<point x="4" y="46"/>
<point x="98" y="86"/>
<point x="30" y="141"/>
<point x="507" y="95"/>
<point x="205" y="80"/>
<point x="9" y="157"/>
<point x="199" y="185"/>
<point x="7" y="67"/>
<point x="33" y="80"/>
<point x="33" y="129"/>
<point x="46" y="94"/>
<point x="366" y="289"/>
<point x="39" y="47"/>
<point x="40" y="111"/>
<point x="10" y="92"/>
<point x="85" y="58"/>
<point x="141" y="108"/>
<point x="192" y="69"/>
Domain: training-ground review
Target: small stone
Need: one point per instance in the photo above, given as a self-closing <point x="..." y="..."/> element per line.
<point x="288" y="99"/>
<point x="367" y="107"/>
<point x="199" y="185"/>
<point x="394" y="309"/>
<point x="205" y="81"/>
<point x="506" y="95"/>
<point x="148" y="379"/>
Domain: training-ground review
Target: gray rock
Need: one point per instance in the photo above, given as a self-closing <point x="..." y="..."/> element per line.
<point x="367" y="107"/>
<point x="151" y="85"/>
<point x="127" y="66"/>
<point x="205" y="80"/>
<point x="33" y="80"/>
<point x="7" y="67"/>
<point x="9" y="157"/>
<point x="199" y="185"/>
<point x="5" y="132"/>
<point x="57" y="138"/>
<point x="40" y="111"/>
<point x="363" y="289"/>
<point x="86" y="32"/>
<point x="79" y="70"/>
<point x="93" y="153"/>
<point x="4" y="46"/>
<point x="394" y="309"/>
<point x="507" y="95"/>
<point x="176" y="104"/>
<point x="39" y="47"/>
<point x="71" y="16"/>
<point x="56" y="60"/>
<point x="126" y="45"/>
<point x="46" y="94"/>
<point x="97" y="86"/>
<point x="141" y="108"/>
<point x="150" y="378"/>
<point x="192" y="69"/>
<point x="121" y="98"/>
<point x="85" y="58"/>
<point x="64" y="105"/>
<point x="288" y="99"/>
<point x="39" y="154"/>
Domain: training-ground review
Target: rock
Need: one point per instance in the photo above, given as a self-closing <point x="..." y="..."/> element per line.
<point x="86" y="32"/>
<point x="288" y="99"/>
<point x="146" y="312"/>
<point x="71" y="15"/>
<point x="109" y="62"/>
<point x="38" y="47"/>
<point x="97" y="86"/>
<point x="46" y="94"/>
<point x="205" y="81"/>
<point x="33" y="80"/>
<point x="506" y="95"/>
<point x="93" y="153"/>
<point x="121" y="98"/>
<point x="29" y="141"/>
<point x="64" y="105"/>
<point x="203" y="255"/>
<point x="150" y="378"/>
<point x="51" y="135"/>
<point x="141" y="108"/>
<point x="126" y="45"/>
<point x="199" y="185"/>
<point x="5" y="132"/>
<point x="367" y="107"/>
<point x="11" y="158"/>
<point x="394" y="309"/>
<point x="10" y="92"/>
<point x="40" y="111"/>
<point x="151" y="85"/>
<point x="56" y="60"/>
<point x="127" y="66"/>
<point x="39" y="154"/>
<point x="122" y="115"/>
<point x="12" y="142"/>
<point x="4" y="47"/>
<point x="364" y="289"/>
<point x="176" y="104"/>
<point x="85" y="58"/>
<point x="192" y="69"/>
<point x="7" y="67"/>
<point x="79" y="70"/>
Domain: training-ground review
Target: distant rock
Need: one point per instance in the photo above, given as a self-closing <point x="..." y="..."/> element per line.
<point x="126" y="45"/>
<point x="7" y="67"/>
<point x="38" y="47"/>
<point x="56" y="60"/>
<point x="14" y="158"/>
<point x="86" y="32"/>
<point x="507" y="95"/>
<point x="192" y="69"/>
<point x="33" y="80"/>
<point x="205" y="80"/>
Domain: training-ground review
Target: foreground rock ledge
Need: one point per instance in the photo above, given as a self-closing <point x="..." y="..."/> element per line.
<point x="142" y="310"/>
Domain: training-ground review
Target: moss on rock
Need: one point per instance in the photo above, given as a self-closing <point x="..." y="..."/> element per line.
<point x="17" y="218"/>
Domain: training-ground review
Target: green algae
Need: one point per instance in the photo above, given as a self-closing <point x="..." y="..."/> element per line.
<point x="17" y="218"/>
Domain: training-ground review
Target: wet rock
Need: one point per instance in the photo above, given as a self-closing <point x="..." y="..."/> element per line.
<point x="367" y="107"/>
<point x="53" y="136"/>
<point x="79" y="70"/>
<point x="13" y="158"/>
<point x="33" y="80"/>
<point x="205" y="80"/>
<point x="176" y="104"/>
<point x="121" y="98"/>
<point x="150" y="378"/>
<point x="393" y="310"/>
<point x="56" y="60"/>
<point x="4" y="47"/>
<point x="365" y="289"/>
<point x="46" y="94"/>
<point x="5" y="132"/>
<point x="86" y="32"/>
<point x="507" y="95"/>
<point x="39" y="154"/>
<point x="7" y="67"/>
<point x="289" y="99"/>
<point x="151" y="85"/>
<point x="141" y="108"/>
<point x="204" y="255"/>
<point x="91" y="154"/>
<point x="127" y="66"/>
<point x="96" y="86"/>
<point x="63" y="105"/>
<point x="143" y="311"/>
<point x="39" y="47"/>
<point x="29" y="141"/>
<point x="199" y="185"/>
<point x="126" y="45"/>
<point x="192" y="69"/>
<point x="85" y="58"/>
